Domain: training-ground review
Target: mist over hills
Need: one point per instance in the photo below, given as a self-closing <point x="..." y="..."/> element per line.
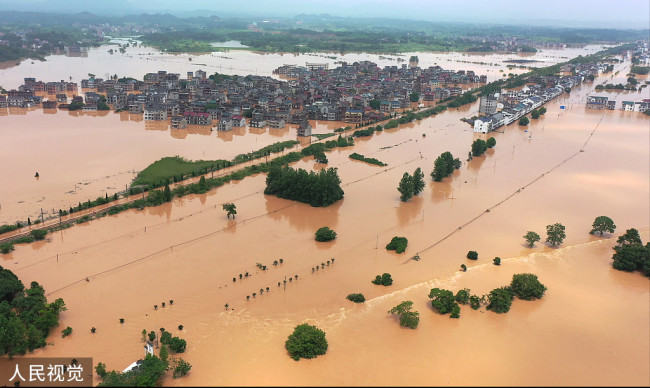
<point x="624" y="14"/>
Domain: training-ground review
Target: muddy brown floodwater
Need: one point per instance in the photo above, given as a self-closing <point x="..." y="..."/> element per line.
<point x="591" y="327"/>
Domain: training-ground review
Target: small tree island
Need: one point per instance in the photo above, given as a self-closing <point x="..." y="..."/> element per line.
<point x="306" y="341"/>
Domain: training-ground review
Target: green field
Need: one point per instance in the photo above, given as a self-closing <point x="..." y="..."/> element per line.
<point x="176" y="169"/>
<point x="158" y="173"/>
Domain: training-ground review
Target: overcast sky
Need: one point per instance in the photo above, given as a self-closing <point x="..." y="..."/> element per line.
<point x="569" y="13"/>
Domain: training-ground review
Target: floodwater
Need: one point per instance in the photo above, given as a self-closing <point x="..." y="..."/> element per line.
<point x="51" y="141"/>
<point x="591" y="327"/>
<point x="137" y="61"/>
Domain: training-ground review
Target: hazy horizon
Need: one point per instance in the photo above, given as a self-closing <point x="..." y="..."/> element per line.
<point x="624" y="14"/>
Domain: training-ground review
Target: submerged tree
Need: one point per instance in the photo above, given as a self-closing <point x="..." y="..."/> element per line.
<point x="299" y="185"/>
<point x="397" y="244"/>
<point x="324" y="234"/>
<point x="479" y="146"/>
<point x="444" y="165"/>
<point x="555" y="234"/>
<point x="500" y="300"/>
<point x="418" y="181"/>
<point x="407" y="317"/>
<point x="306" y="341"/>
<point x="442" y="300"/>
<point x="630" y="254"/>
<point x="491" y="142"/>
<point x="405" y="187"/>
<point x="167" y="194"/>
<point x="603" y="224"/>
<point x="384" y="280"/>
<point x="356" y="298"/>
<point x="411" y="185"/>
<point x="230" y="209"/>
<point x="531" y="238"/>
<point x="526" y="286"/>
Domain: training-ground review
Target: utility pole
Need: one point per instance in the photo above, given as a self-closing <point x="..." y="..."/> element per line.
<point x="42" y="220"/>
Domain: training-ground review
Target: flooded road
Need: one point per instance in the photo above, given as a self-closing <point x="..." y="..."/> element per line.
<point x="591" y="327"/>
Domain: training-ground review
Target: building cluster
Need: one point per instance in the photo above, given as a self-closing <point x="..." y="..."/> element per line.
<point x="583" y="69"/>
<point x="603" y="102"/>
<point x="363" y="92"/>
<point x="354" y="93"/>
<point x="500" y="43"/>
<point x="503" y="108"/>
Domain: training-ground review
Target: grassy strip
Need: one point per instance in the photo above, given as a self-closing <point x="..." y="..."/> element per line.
<point x="321" y="136"/>
<point x="410" y="116"/>
<point x="362" y="158"/>
<point x="273" y="148"/>
<point x="10" y="228"/>
<point x="177" y="169"/>
<point x="161" y="171"/>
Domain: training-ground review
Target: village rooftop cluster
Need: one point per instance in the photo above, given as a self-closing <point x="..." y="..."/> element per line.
<point x="357" y="94"/>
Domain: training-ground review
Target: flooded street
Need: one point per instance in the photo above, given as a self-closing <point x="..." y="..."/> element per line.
<point x="591" y="327"/>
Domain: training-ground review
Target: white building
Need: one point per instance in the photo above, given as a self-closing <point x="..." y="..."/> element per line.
<point x="482" y="125"/>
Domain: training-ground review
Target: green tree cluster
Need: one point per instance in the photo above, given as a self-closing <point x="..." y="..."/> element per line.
<point x="25" y="316"/>
<point x="317" y="189"/>
<point x="407" y="318"/>
<point x="602" y="224"/>
<point x="500" y="300"/>
<point x="442" y="300"/>
<point x="181" y="368"/>
<point x="555" y="234"/>
<point x="411" y="185"/>
<point x="306" y="341"/>
<point x="383" y="280"/>
<point x="176" y="344"/>
<point x="167" y="193"/>
<point x="374" y="161"/>
<point x="524" y="121"/>
<point x="462" y="296"/>
<point x="230" y="209"/>
<point x="444" y="165"/>
<point x="149" y="373"/>
<point x="491" y="142"/>
<point x="356" y="298"/>
<point x="472" y="255"/>
<point x="479" y="146"/>
<point x="397" y="244"/>
<point x="630" y="254"/>
<point x="531" y="238"/>
<point x="526" y="286"/>
<point x="465" y="98"/>
<point x="325" y="234"/>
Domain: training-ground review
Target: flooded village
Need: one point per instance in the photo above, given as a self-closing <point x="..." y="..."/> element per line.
<point x="89" y="136"/>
